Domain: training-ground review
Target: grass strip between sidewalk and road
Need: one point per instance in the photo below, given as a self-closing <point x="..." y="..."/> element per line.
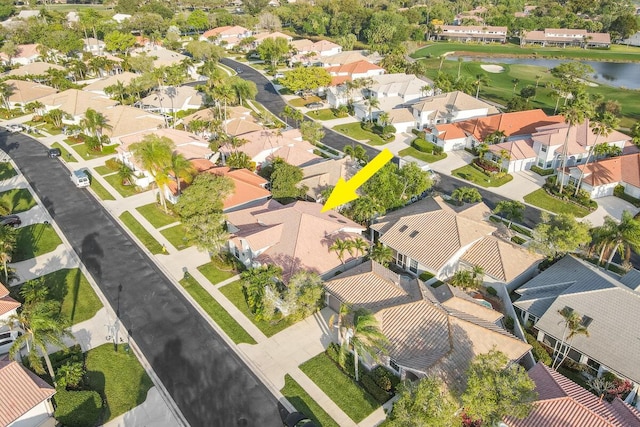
<point x="339" y="387"/>
<point x="304" y="403"/>
<point x="234" y="293"/>
<point x="141" y="233"/>
<point x="217" y="313"/>
<point x="177" y="236"/>
<point x="217" y="271"/>
<point x="156" y="216"/>
<point x="125" y="190"/>
<point x="99" y="189"/>
<point x="542" y="199"/>
<point x="66" y="155"/>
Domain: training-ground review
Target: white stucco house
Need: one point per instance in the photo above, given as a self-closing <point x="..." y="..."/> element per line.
<point x="449" y="107"/>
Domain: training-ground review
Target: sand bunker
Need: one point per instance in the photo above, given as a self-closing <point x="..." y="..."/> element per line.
<point x="491" y="68"/>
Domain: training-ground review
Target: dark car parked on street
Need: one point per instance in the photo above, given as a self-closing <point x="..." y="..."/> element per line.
<point x="298" y="419"/>
<point x="54" y="152"/>
<point x="13" y="220"/>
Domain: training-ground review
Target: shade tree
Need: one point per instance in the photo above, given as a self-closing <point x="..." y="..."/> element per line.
<point x="559" y="234"/>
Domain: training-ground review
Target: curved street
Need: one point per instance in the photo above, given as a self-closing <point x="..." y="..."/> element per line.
<point x="210" y="384"/>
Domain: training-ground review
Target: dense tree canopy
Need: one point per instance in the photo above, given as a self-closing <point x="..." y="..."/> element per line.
<point x="306" y="79"/>
<point x="424" y="403"/>
<point x="559" y="234"/>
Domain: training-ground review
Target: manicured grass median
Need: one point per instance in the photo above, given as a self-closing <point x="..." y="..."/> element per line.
<point x="99" y="189"/>
<point x="469" y="173"/>
<point x="125" y="190"/>
<point x="304" y="403"/>
<point x="66" y="155"/>
<point x="69" y="287"/>
<point x="118" y="377"/>
<point x="541" y="199"/>
<point x="351" y="398"/>
<point x="425" y="157"/>
<point x="217" y="270"/>
<point x="355" y="131"/>
<point x="35" y="240"/>
<point x="7" y="171"/>
<point x="18" y="200"/>
<point x="216" y="311"/>
<point x="139" y="231"/>
<point x="176" y="235"/>
<point x="156" y="215"/>
<point x="234" y="293"/>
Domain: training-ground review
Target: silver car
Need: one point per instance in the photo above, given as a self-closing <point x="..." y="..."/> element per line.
<point x="7" y="339"/>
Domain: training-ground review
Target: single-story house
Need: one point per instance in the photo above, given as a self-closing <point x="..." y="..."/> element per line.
<point x="610" y="310"/>
<point x="99" y="86"/>
<point x="354" y="70"/>
<point x="566" y="37"/>
<point x="261" y="144"/>
<point x="228" y="36"/>
<point x="172" y="99"/>
<point x="349" y="56"/>
<point x="294" y="237"/>
<point x="405" y="88"/>
<point x="309" y="52"/>
<point x="561" y="402"/>
<point x="25" y="398"/>
<point x="93" y="45"/>
<point x="35" y="69"/>
<point x="449" y="107"/>
<point x="24" y="92"/>
<point x="76" y="102"/>
<point x="260" y="37"/>
<point x="432" y="235"/>
<point x="466" y="33"/>
<point x="26" y="54"/>
<point x="431" y="332"/>
<point x="125" y="120"/>
<point x="163" y="57"/>
<point x="320" y="174"/>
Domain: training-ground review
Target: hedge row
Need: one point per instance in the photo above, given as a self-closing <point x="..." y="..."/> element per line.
<point x="542" y="172"/>
<point x="539" y="352"/>
<point x="426" y="146"/>
<point x="78" y="408"/>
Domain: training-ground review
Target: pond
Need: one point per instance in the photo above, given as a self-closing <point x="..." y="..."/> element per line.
<point x="623" y="75"/>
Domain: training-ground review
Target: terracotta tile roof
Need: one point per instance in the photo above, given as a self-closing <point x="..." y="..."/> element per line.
<point x="616" y="169"/>
<point x="267" y="140"/>
<point x="227" y="30"/>
<point x="306" y="235"/>
<point x="20" y="391"/>
<point x="24" y="91"/>
<point x="451" y="101"/>
<point x="516" y="123"/>
<point x="24" y="51"/>
<point x="175" y="97"/>
<point x="344" y="58"/>
<point x="561" y="402"/>
<point x="240" y="126"/>
<point x="76" y="102"/>
<point x="518" y="150"/>
<point x="127" y="120"/>
<point x="501" y="260"/>
<point x="186" y="143"/>
<point x="297" y="155"/>
<point x="358" y="67"/>
<point x="449" y="131"/>
<point x="7" y="304"/>
<point x="99" y="85"/>
<point x="338" y="80"/>
<point x="34" y="68"/>
<point x="274" y="35"/>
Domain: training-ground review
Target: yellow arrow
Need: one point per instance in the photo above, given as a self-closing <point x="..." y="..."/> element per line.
<point x="345" y="191"/>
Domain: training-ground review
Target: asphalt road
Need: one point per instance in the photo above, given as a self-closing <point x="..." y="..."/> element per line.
<point x="208" y="382"/>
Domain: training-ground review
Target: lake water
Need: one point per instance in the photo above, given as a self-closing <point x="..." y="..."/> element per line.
<point x="617" y="74"/>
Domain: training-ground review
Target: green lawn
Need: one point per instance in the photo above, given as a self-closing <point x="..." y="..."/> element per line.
<point x="425" y="157"/>
<point x="83" y="151"/>
<point x="234" y="293"/>
<point x="124" y="190"/>
<point x="471" y="174"/>
<point x="324" y="114"/>
<point x="301" y="102"/>
<point x="99" y="189"/>
<point x="349" y="396"/>
<point x="541" y="199"/>
<point x="139" y="231"/>
<point x="500" y="87"/>
<point x="355" y="131"/>
<point x="66" y="155"/>
<point x="615" y="53"/>
<point x="304" y="403"/>
<point x="118" y="377"/>
<point x="7" y="171"/>
<point x="217" y="270"/>
<point x="73" y="291"/>
<point x="216" y="311"/>
<point x="17" y="200"/>
<point x="42" y="126"/>
<point x="177" y="236"/>
<point x="156" y="215"/>
<point x="103" y="170"/>
<point x="35" y="240"/>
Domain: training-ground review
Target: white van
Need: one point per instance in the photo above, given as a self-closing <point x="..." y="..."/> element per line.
<point x="80" y="179"/>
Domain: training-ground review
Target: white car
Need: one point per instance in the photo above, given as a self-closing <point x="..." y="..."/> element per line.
<point x="15" y="128"/>
<point x="7" y="339"/>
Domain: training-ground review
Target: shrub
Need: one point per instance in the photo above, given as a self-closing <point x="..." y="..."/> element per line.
<point x="366" y="125"/>
<point x="425" y="275"/>
<point x="113" y="164"/>
<point x="538" y="350"/>
<point x="609" y="376"/>
<point x="69" y="355"/>
<point x="388" y="129"/>
<point x="78" y="408"/>
<point x="492" y="291"/>
<point x="372" y="388"/>
<point x="437" y="149"/>
<point x="618" y="191"/>
<point x="422" y="145"/>
<point x="385" y="379"/>
<point x="333" y="352"/>
<point x="509" y="323"/>
<point x="518" y="240"/>
<point x="542" y="172"/>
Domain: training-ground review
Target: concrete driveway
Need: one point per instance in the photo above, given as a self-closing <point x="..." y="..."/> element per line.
<point x="610" y="206"/>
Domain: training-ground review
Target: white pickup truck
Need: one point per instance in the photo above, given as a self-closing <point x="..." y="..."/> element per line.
<point x="80" y="178"/>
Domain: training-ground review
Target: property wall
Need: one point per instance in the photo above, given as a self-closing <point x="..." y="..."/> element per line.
<point x="454" y="144"/>
<point x="632" y="190"/>
<point x="600" y="190"/>
<point x="403" y="127"/>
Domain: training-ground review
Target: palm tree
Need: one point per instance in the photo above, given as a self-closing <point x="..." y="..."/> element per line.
<point x="94" y="122"/>
<point x="462" y="278"/>
<point x="573" y="116"/>
<point x="503" y="156"/>
<point x="512" y="210"/>
<point x="460" y="61"/>
<point x="244" y="89"/>
<point x="381" y="254"/>
<point x="337" y="320"/>
<point x="117" y="90"/>
<point x="359" y="245"/>
<point x="364" y="336"/>
<point x="573" y="324"/>
<point x="6" y="90"/>
<point x="125" y="174"/>
<point x="372" y="103"/>
<point x="383" y="119"/>
<point x="180" y="168"/>
<point x="42" y="326"/>
<point x="340" y="246"/>
<point x="8" y="239"/>
<point x="477" y="274"/>
<point x="154" y="155"/>
<point x="481" y="79"/>
<point x="624" y="237"/>
<point x="602" y="126"/>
